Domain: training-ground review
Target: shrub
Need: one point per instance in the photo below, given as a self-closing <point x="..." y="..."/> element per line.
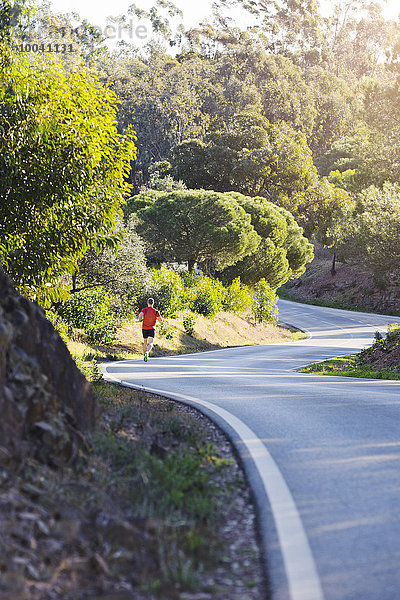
<point x="189" y="323"/>
<point x="207" y="297"/>
<point x="167" y="289"/>
<point x="264" y="302"/>
<point x="166" y="331"/>
<point x="237" y="297"/>
<point x="58" y="324"/>
<point x="90" y="310"/>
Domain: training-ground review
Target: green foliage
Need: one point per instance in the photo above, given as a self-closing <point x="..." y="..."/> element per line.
<point x="233" y="110"/>
<point x="162" y="96"/>
<point x="90" y="310"/>
<point x="265" y="300"/>
<point x="166" y="331"/>
<point x="121" y="272"/>
<point x="90" y="369"/>
<point x="189" y="323"/>
<point x="324" y="209"/>
<point x="283" y="251"/>
<point x="371" y="233"/>
<point x="237" y="297"/>
<point x="175" y="486"/>
<point x="251" y="156"/>
<point x="363" y="365"/>
<point x="207" y="297"/>
<point x="59" y="324"/>
<point x="62" y="169"/>
<point x="195" y="226"/>
<point x="167" y="289"/>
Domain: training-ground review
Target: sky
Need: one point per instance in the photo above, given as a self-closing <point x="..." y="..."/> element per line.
<point x="97" y="11"/>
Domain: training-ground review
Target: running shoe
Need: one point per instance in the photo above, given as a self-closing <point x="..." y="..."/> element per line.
<point x="145" y="357"/>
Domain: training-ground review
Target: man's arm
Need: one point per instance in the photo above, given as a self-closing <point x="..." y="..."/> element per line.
<point x="159" y="318"/>
<point x="141" y="316"/>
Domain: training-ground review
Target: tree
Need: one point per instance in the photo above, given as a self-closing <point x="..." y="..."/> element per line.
<point x="195" y="226"/>
<point x="283" y="251"/>
<point x="381" y="150"/>
<point x="358" y="38"/>
<point x="62" y="171"/>
<point x="373" y="231"/>
<point x="372" y="153"/>
<point x="290" y="28"/>
<point x="335" y="106"/>
<point x="324" y="214"/>
<point x="121" y="271"/>
<point x="251" y="156"/>
<point x="163" y="98"/>
<point x="13" y="14"/>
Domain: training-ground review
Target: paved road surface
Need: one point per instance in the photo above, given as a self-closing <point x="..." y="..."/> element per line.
<point x="322" y="453"/>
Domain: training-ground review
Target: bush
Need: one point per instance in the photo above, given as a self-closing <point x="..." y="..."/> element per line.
<point x="167" y="289"/>
<point x="59" y="325"/>
<point x="90" y="310"/>
<point x="189" y="323"/>
<point x="264" y="302"/>
<point x="166" y="331"/>
<point x="237" y="297"/>
<point x="207" y="297"/>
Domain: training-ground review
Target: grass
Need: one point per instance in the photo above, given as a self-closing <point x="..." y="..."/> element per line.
<point x="152" y="508"/>
<point x="380" y="361"/>
<point x="349" y="366"/>
<point x="344" y="367"/>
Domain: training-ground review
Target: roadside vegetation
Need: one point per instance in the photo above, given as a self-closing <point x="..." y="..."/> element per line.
<point x="151" y="509"/>
<point x="225" y="330"/>
<point x="381" y="361"/>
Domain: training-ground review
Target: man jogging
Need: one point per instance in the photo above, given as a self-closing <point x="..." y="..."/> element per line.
<point x="149" y="317"/>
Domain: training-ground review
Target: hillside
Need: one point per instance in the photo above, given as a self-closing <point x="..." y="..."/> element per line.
<point x="225" y="330"/>
<point x="385" y="353"/>
<point x="353" y="286"/>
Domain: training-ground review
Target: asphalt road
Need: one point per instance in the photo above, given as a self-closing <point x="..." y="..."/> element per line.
<point x="322" y="454"/>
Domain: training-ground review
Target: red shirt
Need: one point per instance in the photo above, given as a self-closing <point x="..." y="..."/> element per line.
<point x="150" y="317"/>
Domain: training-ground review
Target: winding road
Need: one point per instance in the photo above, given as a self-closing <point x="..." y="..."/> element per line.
<point x="322" y="454"/>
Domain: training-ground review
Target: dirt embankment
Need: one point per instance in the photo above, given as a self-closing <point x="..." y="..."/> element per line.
<point x="385" y="353"/>
<point x="352" y="286"/>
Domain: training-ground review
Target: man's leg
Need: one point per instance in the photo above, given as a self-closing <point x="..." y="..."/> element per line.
<point x="144" y="345"/>
<point x="150" y="342"/>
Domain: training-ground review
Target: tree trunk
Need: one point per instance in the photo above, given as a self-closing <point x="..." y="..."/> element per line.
<point x="191" y="264"/>
<point x="333" y="268"/>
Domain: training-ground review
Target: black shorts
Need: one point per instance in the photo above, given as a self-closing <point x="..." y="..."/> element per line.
<point x="149" y="333"/>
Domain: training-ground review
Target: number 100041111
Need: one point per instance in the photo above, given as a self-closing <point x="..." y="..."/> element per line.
<point x="57" y="48"/>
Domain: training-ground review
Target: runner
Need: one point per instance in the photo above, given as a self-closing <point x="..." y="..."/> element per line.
<point x="149" y="317"/>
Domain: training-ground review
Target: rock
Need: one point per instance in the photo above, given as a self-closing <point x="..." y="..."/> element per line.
<point x="39" y="384"/>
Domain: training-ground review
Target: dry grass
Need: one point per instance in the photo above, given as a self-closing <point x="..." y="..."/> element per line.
<point x="224" y="331"/>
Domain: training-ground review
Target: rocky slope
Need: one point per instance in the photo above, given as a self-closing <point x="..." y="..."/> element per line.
<point x="45" y="402"/>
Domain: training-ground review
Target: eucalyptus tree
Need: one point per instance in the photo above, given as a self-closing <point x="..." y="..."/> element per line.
<point x="251" y="156"/>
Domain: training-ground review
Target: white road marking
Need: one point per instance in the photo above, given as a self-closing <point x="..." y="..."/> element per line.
<point x="301" y="571"/>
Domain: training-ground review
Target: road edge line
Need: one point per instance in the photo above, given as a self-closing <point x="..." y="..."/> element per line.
<point x="301" y="572"/>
